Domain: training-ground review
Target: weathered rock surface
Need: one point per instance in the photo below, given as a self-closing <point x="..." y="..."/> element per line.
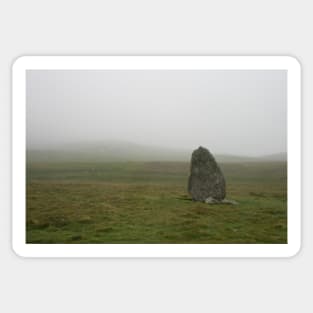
<point x="206" y="180"/>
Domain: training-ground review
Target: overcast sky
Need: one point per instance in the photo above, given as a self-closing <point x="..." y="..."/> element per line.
<point x="234" y="112"/>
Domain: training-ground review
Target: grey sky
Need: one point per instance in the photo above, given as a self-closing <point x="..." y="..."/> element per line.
<point x="234" y="112"/>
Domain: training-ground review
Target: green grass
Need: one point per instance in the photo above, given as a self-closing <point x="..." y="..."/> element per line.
<point x="137" y="202"/>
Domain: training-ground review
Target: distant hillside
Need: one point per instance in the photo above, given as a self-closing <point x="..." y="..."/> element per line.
<point x="125" y="151"/>
<point x="279" y="157"/>
<point x="275" y="157"/>
<point x="107" y="152"/>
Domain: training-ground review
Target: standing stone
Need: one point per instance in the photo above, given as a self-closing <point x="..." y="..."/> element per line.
<point x="206" y="180"/>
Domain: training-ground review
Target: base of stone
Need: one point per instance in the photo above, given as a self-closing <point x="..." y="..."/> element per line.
<point x="211" y="200"/>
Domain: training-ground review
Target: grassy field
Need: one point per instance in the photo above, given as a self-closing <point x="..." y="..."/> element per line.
<point x="147" y="202"/>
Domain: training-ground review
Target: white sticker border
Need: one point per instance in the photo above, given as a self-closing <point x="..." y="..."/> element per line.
<point x="24" y="63"/>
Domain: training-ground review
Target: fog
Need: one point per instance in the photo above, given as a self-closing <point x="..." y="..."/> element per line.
<point x="229" y="112"/>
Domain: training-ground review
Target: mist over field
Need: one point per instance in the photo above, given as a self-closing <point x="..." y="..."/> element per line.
<point x="126" y="151"/>
<point x="241" y="113"/>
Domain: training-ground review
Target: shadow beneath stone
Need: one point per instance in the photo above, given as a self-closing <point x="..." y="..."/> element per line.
<point x="184" y="198"/>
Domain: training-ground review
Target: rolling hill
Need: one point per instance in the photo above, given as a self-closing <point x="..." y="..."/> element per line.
<point x="125" y="151"/>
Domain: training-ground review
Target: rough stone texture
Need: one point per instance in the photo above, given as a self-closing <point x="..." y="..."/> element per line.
<point x="206" y="180"/>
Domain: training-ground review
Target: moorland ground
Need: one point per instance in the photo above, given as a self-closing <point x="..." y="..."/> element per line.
<point x="147" y="202"/>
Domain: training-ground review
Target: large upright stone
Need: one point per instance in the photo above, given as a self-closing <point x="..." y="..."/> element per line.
<point x="206" y="180"/>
